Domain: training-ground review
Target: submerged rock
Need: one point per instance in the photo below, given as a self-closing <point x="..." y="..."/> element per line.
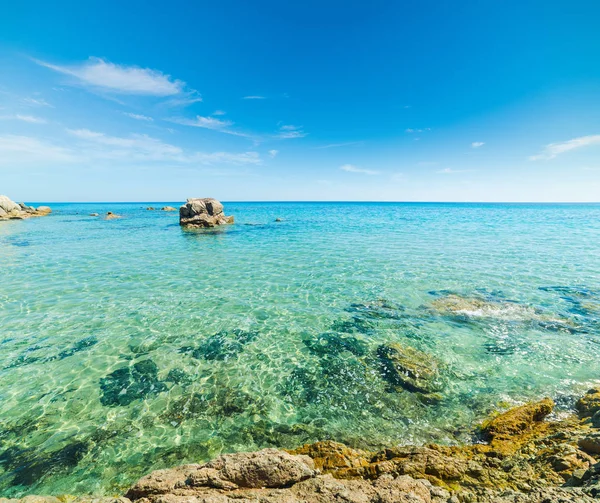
<point x="206" y="212"/>
<point x="222" y="345"/>
<point x="127" y="384"/>
<point x="408" y="368"/>
<point x="11" y="210"/>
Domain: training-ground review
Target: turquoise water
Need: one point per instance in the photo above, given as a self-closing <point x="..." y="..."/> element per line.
<point x="130" y="345"/>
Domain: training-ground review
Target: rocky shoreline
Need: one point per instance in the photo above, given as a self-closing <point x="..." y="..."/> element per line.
<point x="524" y="455"/>
<point x="9" y="210"/>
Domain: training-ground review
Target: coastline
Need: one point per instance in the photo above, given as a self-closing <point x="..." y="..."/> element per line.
<point x="523" y="455"/>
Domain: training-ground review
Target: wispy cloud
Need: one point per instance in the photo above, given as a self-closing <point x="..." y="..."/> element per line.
<point x="145" y="148"/>
<point x="350" y="168"/>
<point x="336" y="145"/>
<point x="553" y="149"/>
<point x="98" y="73"/>
<point x="223" y="126"/>
<point x="273" y="153"/>
<point x="139" y="117"/>
<point x="290" y="131"/>
<point x="411" y="130"/>
<point x="25" y="118"/>
<point x="36" y="102"/>
<point x="450" y="171"/>
<point x="254" y="97"/>
<point x="477" y="144"/>
<point x="24" y="149"/>
<point x="219" y="112"/>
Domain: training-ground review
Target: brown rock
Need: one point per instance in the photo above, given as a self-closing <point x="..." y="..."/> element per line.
<point x="518" y="420"/>
<point x="589" y="404"/>
<point x="205" y="212"/>
<point x="590" y="443"/>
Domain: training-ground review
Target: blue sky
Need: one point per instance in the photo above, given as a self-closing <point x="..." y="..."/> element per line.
<point x="381" y="100"/>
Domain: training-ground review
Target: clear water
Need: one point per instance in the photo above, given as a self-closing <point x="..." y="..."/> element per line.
<point x="130" y="345"/>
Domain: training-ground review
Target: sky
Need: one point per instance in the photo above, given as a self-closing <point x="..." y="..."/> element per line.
<point x="478" y="100"/>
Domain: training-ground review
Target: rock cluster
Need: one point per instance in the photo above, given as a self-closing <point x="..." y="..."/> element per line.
<point x="522" y="458"/>
<point x="206" y="212"/>
<point x="11" y="210"/>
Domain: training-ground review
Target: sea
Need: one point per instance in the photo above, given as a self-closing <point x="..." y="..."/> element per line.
<point x="131" y="344"/>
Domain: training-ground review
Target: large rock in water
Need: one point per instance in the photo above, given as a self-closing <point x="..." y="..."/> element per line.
<point x="9" y="209"/>
<point x="205" y="212"/>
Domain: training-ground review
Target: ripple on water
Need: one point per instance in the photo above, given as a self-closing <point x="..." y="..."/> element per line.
<point x="137" y="345"/>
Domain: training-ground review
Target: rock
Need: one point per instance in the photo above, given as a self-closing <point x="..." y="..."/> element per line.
<point x="8" y="205"/>
<point x="408" y="368"/>
<point x="590" y="443"/>
<point x="150" y="208"/>
<point x="93" y="214"/>
<point x="278" y="220"/>
<point x="205" y="212"/>
<point x="11" y="210"/>
<point x="251" y="470"/>
<point x="589" y="404"/>
<point x="518" y="420"/>
<point x="168" y="208"/>
<point x="111" y="216"/>
<point x="596" y="420"/>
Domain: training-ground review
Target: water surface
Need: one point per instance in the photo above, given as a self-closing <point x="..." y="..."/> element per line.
<point x="130" y="345"/>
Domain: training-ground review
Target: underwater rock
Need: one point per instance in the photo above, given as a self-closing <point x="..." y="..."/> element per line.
<point x="222" y="345"/>
<point x="28" y="466"/>
<point x="333" y="343"/>
<point x="205" y="212"/>
<point x="82" y="345"/>
<point x="127" y="384"/>
<point x="596" y="420"/>
<point x="408" y="368"/>
<point x="379" y="309"/>
<point x="11" y="210"/>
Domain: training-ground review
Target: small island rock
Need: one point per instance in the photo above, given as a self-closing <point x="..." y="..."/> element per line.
<point x="168" y="208"/>
<point x="205" y="212"/>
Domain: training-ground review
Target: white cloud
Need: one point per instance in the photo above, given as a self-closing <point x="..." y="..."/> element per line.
<point x="273" y="153"/>
<point x="411" y="130"/>
<point x="218" y="112"/>
<point x="350" y="168"/>
<point x="335" y="145"/>
<point x="96" y="72"/>
<point x="553" y="149"/>
<point x="145" y="148"/>
<point x="25" y="118"/>
<point x="450" y="171"/>
<point x="254" y="97"/>
<point x="36" y="102"/>
<point x="92" y="147"/>
<point x="477" y="144"/>
<point x="24" y="149"/>
<point x="289" y="131"/>
<point x="139" y="117"/>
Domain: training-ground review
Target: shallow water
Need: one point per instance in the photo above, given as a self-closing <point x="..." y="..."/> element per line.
<point x="130" y="345"/>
